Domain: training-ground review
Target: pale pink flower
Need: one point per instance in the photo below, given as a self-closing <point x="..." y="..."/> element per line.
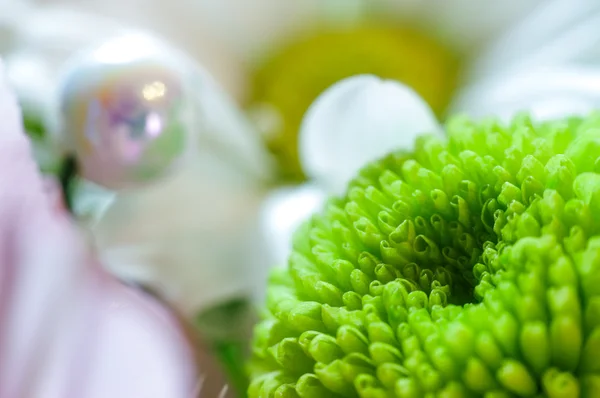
<point x="67" y="329"/>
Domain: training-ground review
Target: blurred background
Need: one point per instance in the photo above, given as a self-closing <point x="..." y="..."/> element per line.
<point x="272" y="59"/>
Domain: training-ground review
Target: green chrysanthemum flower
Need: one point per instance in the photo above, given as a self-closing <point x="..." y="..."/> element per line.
<point x="467" y="268"/>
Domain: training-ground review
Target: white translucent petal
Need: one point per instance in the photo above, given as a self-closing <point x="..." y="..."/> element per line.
<point x="225" y="131"/>
<point x="465" y="25"/>
<point x="357" y="121"/>
<point x="554" y="33"/>
<point x="191" y="237"/>
<point x="283" y="212"/>
<point x="545" y="93"/>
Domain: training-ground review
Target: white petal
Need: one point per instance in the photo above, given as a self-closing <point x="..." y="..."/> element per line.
<point x="545" y="93"/>
<point x="465" y="25"/>
<point x="555" y="33"/>
<point x="282" y="213"/>
<point x="357" y="121"/>
<point x="225" y="130"/>
<point x="191" y="237"/>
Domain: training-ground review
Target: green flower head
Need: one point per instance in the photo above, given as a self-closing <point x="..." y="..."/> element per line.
<point x="467" y="268"/>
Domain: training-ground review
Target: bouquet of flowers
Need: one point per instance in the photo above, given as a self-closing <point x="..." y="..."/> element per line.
<point x="398" y="210"/>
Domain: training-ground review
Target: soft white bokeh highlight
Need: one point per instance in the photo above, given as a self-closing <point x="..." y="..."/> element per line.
<point x="357" y="121"/>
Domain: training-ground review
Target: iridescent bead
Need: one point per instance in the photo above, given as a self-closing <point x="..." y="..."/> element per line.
<point x="126" y="111"/>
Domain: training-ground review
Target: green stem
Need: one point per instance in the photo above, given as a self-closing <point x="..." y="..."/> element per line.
<point x="67" y="176"/>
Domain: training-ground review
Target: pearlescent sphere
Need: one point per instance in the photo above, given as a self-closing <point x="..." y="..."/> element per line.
<point x="125" y="112"/>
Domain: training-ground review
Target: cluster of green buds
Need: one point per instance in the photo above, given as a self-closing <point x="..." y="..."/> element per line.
<point x="469" y="267"/>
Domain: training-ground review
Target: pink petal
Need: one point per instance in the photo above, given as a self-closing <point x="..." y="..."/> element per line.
<point x="66" y="328"/>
